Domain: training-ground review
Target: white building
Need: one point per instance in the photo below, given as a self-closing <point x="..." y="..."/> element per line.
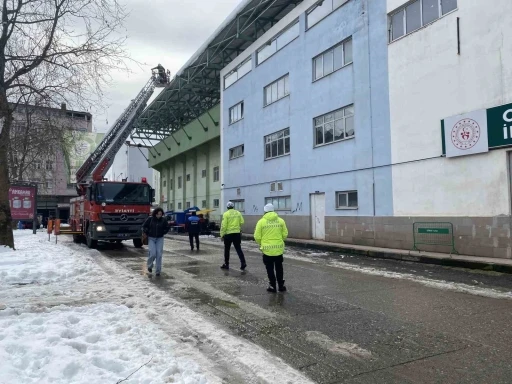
<point x="448" y="58"/>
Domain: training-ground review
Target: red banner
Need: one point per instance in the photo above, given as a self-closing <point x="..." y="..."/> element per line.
<point x="22" y="201"/>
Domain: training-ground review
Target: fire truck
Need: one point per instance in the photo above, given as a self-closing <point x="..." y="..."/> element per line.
<point x="113" y="211"/>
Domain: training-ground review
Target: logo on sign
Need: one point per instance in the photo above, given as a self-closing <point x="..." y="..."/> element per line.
<point x="465" y="134"/>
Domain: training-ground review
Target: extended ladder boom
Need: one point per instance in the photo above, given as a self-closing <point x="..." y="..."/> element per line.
<point x="98" y="163"/>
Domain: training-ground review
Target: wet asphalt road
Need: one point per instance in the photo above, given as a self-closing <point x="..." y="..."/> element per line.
<point x="343" y="326"/>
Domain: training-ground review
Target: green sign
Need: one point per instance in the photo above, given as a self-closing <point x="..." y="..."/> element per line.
<point x="437" y="231"/>
<point x="497" y="125"/>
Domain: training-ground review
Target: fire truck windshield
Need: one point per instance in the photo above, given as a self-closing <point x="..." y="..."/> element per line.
<point x="121" y="193"/>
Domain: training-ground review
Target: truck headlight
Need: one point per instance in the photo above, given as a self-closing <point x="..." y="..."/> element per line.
<point x="100" y="228"/>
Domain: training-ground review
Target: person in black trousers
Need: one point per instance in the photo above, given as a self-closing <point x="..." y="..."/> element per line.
<point x="194" y="228"/>
<point x="231" y="233"/>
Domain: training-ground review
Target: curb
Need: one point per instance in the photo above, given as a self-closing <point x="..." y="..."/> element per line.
<point x="402" y="255"/>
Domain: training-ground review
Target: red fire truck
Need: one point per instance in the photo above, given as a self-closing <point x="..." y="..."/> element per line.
<point x="110" y="210"/>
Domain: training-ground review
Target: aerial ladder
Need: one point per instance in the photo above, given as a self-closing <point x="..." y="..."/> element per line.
<point x="110" y="210"/>
<point x="100" y="161"/>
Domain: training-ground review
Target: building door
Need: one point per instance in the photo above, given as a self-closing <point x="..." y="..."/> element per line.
<point x="318" y="215"/>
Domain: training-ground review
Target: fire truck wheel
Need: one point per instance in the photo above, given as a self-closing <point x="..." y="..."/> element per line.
<point x="89" y="240"/>
<point x="137" y="243"/>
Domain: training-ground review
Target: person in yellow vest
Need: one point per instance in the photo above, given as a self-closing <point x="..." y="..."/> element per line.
<point x="270" y="234"/>
<point x="231" y="233"/>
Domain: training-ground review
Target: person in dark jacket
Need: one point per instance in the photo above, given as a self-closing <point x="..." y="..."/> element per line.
<point x="155" y="228"/>
<point x="194" y="228"/>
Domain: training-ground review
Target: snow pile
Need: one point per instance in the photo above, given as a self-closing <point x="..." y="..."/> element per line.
<point x="42" y="340"/>
<point x="100" y="343"/>
<point x="70" y="315"/>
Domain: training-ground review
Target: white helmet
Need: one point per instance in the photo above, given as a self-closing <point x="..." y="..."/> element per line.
<point x="230" y="205"/>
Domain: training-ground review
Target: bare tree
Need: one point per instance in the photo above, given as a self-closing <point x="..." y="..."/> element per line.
<point x="57" y="50"/>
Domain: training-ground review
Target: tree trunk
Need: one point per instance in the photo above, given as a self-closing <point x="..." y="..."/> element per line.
<point x="6" y="236"/>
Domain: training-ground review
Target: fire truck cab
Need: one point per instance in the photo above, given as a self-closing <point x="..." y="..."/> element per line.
<point x="111" y="211"/>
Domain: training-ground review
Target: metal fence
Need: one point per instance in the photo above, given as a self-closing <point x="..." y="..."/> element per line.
<point x="434" y="234"/>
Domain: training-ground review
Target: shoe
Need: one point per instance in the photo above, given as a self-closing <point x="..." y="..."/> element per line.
<point x="191" y="249"/>
<point x="282" y="288"/>
<point x="150" y="270"/>
<point x="158" y="274"/>
<point x="271" y="289"/>
<point x="224" y="266"/>
<point x="243" y="266"/>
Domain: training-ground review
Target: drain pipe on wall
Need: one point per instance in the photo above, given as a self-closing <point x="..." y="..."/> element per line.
<point x="366" y="10"/>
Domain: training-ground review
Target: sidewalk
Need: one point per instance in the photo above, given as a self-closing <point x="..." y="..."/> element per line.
<point x="462" y="261"/>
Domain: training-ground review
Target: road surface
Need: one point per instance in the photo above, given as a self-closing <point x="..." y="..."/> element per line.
<point x="348" y="319"/>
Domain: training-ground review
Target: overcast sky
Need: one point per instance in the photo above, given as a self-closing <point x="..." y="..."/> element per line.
<point x="160" y="31"/>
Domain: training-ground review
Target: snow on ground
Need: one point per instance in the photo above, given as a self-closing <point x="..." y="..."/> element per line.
<point x="70" y="315"/>
<point x="98" y="343"/>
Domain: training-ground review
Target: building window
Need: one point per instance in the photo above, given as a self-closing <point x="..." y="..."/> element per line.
<point x="238" y="192"/>
<point x="418" y="14"/>
<point x="215" y="203"/>
<point x="71" y="186"/>
<point x="188" y="204"/>
<point x="203" y="173"/>
<point x="321" y="10"/>
<point x="277" y="144"/>
<point x="180" y="182"/>
<point x="188" y="177"/>
<point x="37" y="165"/>
<point x="283" y="203"/>
<point x="279" y="42"/>
<point x="276" y="187"/>
<point x="179" y="206"/>
<point x="346" y="200"/>
<point x="203" y="204"/>
<point x="239" y="205"/>
<point x="334" y="126"/>
<point x="236" y="152"/>
<point x="332" y="60"/>
<point x="49" y="165"/>
<point x="236" y="113"/>
<point x="216" y="174"/>
<point x="239" y="72"/>
<point x="49" y="185"/>
<point x="171" y="206"/>
<point x="171" y="184"/>
<point x="165" y="183"/>
<point x="277" y="90"/>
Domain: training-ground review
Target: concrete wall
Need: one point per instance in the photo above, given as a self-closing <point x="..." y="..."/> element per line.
<point x="476" y="236"/>
<point x="354" y="164"/>
<point x="429" y="81"/>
